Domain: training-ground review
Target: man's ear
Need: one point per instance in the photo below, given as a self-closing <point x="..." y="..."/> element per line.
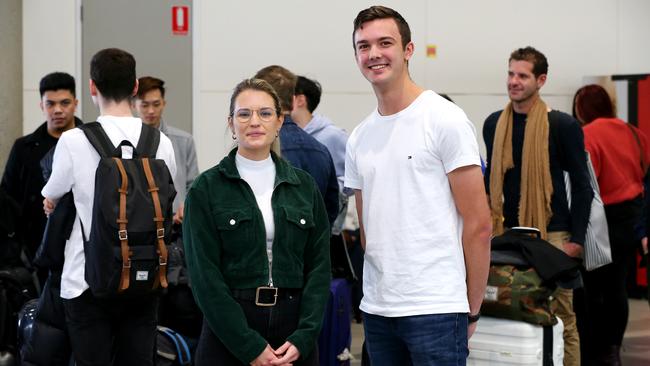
<point x="92" y="87"/>
<point x="135" y="88"/>
<point x="409" y="50"/>
<point x="541" y="80"/>
<point x="300" y="101"/>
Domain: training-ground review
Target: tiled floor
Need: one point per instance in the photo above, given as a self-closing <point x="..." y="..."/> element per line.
<point x="636" y="345"/>
<point x="357" y="341"/>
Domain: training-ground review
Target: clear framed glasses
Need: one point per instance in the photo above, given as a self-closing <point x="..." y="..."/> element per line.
<point x="244" y="115"/>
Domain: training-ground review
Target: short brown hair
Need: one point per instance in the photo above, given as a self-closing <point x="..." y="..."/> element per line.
<point x="113" y="72"/>
<point x="149" y="83"/>
<point x="540" y="64"/>
<point x="382" y="12"/>
<point x="283" y="81"/>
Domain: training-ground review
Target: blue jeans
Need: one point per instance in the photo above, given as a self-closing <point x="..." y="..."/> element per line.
<point x="437" y="339"/>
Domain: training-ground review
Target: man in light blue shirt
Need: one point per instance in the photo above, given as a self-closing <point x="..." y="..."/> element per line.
<point x="306" y="100"/>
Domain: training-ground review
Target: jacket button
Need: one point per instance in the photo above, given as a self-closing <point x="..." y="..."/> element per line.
<point x="302" y="221"/>
<point x="232" y="222"/>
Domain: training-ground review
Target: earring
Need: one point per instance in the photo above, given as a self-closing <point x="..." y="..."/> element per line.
<point x="277" y="134"/>
<point x="233" y="136"/>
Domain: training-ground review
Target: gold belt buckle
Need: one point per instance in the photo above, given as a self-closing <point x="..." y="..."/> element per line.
<point x="264" y="288"/>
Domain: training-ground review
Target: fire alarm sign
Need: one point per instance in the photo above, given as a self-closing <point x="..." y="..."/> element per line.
<point x="180" y="20"/>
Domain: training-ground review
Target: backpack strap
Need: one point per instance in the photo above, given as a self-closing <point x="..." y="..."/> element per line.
<point x="122" y="232"/>
<point x="182" y="349"/>
<point x="644" y="167"/>
<point x="554" y="134"/>
<point x="148" y="142"/>
<point x="98" y="138"/>
<point x="160" y="230"/>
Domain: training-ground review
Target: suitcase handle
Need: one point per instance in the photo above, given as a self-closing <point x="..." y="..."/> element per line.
<point x="527" y="230"/>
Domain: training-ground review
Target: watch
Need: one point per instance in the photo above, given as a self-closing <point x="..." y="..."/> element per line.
<point x="473" y="318"/>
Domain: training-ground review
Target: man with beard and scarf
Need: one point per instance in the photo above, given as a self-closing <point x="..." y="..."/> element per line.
<point x="529" y="146"/>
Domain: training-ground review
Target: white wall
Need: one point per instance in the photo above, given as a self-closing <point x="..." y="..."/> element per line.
<point x="633" y="33"/>
<point x="50" y="39"/>
<point x="473" y="40"/>
<point x="232" y="40"/>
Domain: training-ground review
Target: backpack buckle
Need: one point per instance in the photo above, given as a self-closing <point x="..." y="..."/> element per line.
<point x="160" y="233"/>
<point x="122" y="234"/>
<point x="272" y="292"/>
<point x="126" y="263"/>
<point x="162" y="261"/>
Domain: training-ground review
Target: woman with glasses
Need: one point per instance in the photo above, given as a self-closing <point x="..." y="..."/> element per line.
<point x="256" y="239"/>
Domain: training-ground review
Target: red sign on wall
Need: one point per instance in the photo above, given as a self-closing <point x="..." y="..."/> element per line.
<point x="180" y="20"/>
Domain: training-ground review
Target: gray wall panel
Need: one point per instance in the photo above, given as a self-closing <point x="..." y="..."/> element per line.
<point x="143" y="28"/>
<point x="11" y="69"/>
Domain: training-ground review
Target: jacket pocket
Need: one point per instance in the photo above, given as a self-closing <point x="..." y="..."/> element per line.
<point x="299" y="224"/>
<point x="232" y="219"/>
<point x="235" y="227"/>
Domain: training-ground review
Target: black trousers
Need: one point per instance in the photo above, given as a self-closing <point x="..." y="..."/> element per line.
<point x="603" y="315"/>
<point x="115" y="331"/>
<point x="274" y="323"/>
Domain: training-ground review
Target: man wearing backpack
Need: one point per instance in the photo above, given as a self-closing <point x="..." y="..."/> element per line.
<point x="117" y="329"/>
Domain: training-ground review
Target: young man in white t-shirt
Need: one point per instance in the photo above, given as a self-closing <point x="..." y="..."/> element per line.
<point x="103" y="331"/>
<point x="415" y="168"/>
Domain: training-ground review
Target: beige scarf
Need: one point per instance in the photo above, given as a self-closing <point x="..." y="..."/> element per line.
<point x="536" y="185"/>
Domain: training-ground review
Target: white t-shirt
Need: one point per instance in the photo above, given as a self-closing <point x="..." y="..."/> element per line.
<point x="74" y="166"/>
<point x="414" y="260"/>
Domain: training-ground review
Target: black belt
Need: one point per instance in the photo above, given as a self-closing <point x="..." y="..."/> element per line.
<point x="264" y="295"/>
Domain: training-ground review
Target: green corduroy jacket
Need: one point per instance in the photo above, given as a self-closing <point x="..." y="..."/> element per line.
<point x="225" y="248"/>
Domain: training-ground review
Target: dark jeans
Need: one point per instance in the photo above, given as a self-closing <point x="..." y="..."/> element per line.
<point x="274" y="323"/>
<point x="113" y="331"/>
<point x="437" y="339"/>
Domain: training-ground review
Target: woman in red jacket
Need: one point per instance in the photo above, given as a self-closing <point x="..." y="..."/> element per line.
<point x="620" y="155"/>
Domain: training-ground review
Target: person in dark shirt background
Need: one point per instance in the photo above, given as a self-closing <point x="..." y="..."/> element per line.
<point x="23" y="176"/>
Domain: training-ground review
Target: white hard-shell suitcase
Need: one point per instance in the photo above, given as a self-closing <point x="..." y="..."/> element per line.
<point x="510" y="342"/>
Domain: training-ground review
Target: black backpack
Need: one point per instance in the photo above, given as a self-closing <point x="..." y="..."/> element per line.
<point x="131" y="218"/>
<point x="16" y="288"/>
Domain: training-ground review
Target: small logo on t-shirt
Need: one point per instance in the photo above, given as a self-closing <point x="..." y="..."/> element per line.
<point x="410" y="157"/>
